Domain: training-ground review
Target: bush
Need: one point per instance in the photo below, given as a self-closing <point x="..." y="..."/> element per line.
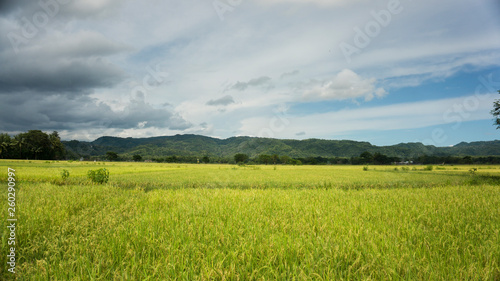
<point x="365" y="168"/>
<point x="99" y="176"/>
<point x="428" y="168"/>
<point x="65" y="174"/>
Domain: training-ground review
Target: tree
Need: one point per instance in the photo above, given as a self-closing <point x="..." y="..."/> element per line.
<point x="275" y="158"/>
<point x="111" y="156"/>
<point x="381" y="159"/>
<point x="3" y="149"/>
<point x="19" y="141"/>
<point x="240" y="158"/>
<point x="285" y="159"/>
<point x="137" y="158"/>
<point x="56" y="145"/>
<point x="171" y="159"/>
<point x="496" y="112"/>
<point x="33" y="144"/>
<point x="467" y="160"/>
<point x="37" y="151"/>
<point x="38" y="144"/>
<point x="366" y="157"/>
<point x="205" y="159"/>
<point x="4" y="145"/>
<point x="264" y="159"/>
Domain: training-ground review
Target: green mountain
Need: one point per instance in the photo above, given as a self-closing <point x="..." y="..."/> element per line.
<point x="199" y="146"/>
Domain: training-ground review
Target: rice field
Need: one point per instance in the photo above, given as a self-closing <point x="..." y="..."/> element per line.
<point x="224" y="222"/>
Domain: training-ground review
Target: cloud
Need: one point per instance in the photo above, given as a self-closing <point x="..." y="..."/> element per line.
<point x="62" y="112"/>
<point x="288" y="74"/>
<point x="262" y="81"/>
<point x="80" y="9"/>
<point x="402" y="116"/>
<point x="70" y="63"/>
<point x="315" y="2"/>
<point x="345" y="85"/>
<point x="301" y="133"/>
<point x="224" y="101"/>
<point x="82" y="59"/>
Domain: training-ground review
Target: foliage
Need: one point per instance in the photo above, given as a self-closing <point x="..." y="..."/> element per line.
<point x="205" y="159"/>
<point x="188" y="148"/>
<point x="496" y="112"/>
<point x="111" y="156"/>
<point x="100" y="176"/>
<point x="264" y="159"/>
<point x="33" y="144"/>
<point x="137" y="158"/>
<point x="366" y="157"/>
<point x="64" y="174"/>
<point x="240" y="158"/>
<point x="428" y="168"/>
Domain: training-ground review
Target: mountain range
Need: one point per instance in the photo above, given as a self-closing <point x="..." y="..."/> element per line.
<point x="199" y="146"/>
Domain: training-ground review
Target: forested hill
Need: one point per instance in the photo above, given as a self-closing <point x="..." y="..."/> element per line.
<point x="196" y="145"/>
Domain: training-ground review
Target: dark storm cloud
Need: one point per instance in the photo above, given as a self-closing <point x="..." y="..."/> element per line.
<point x="77" y="76"/>
<point x="46" y="82"/>
<point x="75" y="63"/>
<point x="60" y="112"/>
<point x="256" y="82"/>
<point x="61" y="8"/>
<point x="8" y="6"/>
<point x="224" y="101"/>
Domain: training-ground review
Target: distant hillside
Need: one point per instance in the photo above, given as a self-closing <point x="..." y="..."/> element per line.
<point x="198" y="146"/>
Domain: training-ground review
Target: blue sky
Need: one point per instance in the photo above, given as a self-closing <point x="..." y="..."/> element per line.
<point x="385" y="72"/>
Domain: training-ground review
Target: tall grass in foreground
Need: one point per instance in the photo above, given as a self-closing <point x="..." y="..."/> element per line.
<point x="83" y="232"/>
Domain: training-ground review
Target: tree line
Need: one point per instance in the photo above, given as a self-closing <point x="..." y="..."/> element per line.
<point x="366" y="158"/>
<point x="38" y="145"/>
<point x="33" y="144"/>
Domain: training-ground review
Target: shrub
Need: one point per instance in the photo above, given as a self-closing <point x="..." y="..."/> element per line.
<point x="428" y="168"/>
<point x="365" y="168"/>
<point x="65" y="174"/>
<point x="99" y="176"/>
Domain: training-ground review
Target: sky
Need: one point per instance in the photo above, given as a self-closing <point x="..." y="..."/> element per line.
<point x="386" y="72"/>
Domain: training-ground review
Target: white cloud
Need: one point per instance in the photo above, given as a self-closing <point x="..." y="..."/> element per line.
<point x="345" y="85"/>
<point x="452" y="111"/>
<point x="260" y="43"/>
<point x="315" y="2"/>
<point x="224" y="101"/>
